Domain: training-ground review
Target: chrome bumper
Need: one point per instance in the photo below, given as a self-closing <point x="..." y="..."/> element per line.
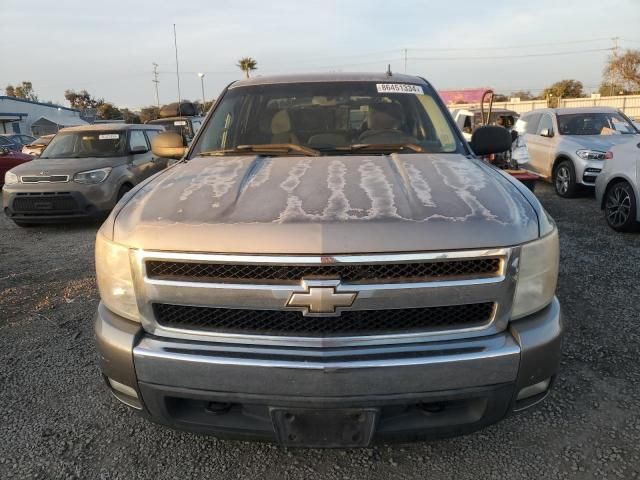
<point x="494" y="368"/>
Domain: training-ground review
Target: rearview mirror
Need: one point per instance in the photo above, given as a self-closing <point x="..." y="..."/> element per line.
<point x="139" y="149"/>
<point x="490" y="139"/>
<point x="168" y="145"/>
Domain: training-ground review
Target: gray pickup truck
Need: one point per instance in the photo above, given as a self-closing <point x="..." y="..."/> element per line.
<point x="329" y="265"/>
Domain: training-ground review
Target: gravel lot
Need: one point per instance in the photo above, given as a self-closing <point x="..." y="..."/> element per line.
<point x="58" y="420"/>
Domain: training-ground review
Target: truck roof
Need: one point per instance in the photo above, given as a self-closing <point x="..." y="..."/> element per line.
<point x="381" y="77"/>
<point x="569" y="111"/>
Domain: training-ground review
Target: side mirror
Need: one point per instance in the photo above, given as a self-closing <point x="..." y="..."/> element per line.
<point x="139" y="149"/>
<point x="490" y="139"/>
<point x="545" y="132"/>
<point x="168" y="145"/>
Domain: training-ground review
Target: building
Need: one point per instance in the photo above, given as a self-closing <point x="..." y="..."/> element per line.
<point x="35" y="118"/>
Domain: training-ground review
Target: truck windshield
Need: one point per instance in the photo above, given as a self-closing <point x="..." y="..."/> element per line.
<point x="332" y="118"/>
<point x="86" y="144"/>
<point x="594" y="124"/>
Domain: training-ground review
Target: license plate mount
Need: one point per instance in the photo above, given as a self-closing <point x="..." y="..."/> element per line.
<point x="297" y="427"/>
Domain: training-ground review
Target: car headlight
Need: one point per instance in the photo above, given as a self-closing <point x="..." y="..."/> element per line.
<point x="115" y="281"/>
<point x="537" y="275"/>
<point x="92" y="176"/>
<point x="10" y="178"/>
<point x="594" y="155"/>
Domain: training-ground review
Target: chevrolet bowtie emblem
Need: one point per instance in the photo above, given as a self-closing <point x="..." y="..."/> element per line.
<point x="321" y="300"/>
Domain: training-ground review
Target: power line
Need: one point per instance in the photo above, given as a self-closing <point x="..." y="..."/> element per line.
<point x="524" y="55"/>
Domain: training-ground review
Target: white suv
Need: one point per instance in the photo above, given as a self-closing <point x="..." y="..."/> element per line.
<point x="568" y="146"/>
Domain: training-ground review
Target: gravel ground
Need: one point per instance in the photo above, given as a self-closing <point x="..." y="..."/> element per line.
<point x="58" y="420"/>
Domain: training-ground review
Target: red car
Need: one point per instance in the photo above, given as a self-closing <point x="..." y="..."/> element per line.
<point x="10" y="159"/>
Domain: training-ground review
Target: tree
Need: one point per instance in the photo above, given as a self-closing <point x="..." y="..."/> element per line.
<point x="82" y="99"/>
<point x="128" y="116"/>
<point x="499" y="97"/>
<point x="23" y="91"/>
<point x="612" y="89"/>
<point x="624" y="70"/>
<point x="522" y="95"/>
<point x="108" y="111"/>
<point x="247" y="65"/>
<point x="563" y="89"/>
<point x="149" y="113"/>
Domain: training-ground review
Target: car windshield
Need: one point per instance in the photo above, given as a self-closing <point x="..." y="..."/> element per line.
<point x="86" y="144"/>
<point x="604" y="123"/>
<point x="329" y="118"/>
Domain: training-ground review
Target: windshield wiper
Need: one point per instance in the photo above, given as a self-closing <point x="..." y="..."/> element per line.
<point x="386" y="147"/>
<point x="265" y="149"/>
<point x="380" y="147"/>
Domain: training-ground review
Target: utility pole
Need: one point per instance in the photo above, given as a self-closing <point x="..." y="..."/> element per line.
<point x="175" y="43"/>
<point x="156" y="82"/>
<point x="615" y="55"/>
<point x="405" y="60"/>
<point x="201" y="75"/>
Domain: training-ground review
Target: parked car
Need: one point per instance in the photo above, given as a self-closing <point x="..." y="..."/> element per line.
<point x="468" y="119"/>
<point x="316" y="281"/>
<point x="569" y="146"/>
<point x="10" y="159"/>
<point x="82" y="173"/>
<point x="181" y="118"/>
<point x="8" y="144"/>
<point x="618" y="187"/>
<point x="19" y="138"/>
<point x="36" y="147"/>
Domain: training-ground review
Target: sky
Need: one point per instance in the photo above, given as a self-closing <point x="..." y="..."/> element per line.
<point x="108" y="48"/>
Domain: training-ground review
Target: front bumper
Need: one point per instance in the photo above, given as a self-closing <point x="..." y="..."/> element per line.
<point x="414" y="391"/>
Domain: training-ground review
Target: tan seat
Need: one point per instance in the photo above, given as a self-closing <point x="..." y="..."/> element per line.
<point x="384" y="122"/>
<point x="281" y="129"/>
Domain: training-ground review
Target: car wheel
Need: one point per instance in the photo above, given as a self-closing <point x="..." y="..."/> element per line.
<point x="564" y="179"/>
<point x="123" y="191"/>
<point x="620" y="207"/>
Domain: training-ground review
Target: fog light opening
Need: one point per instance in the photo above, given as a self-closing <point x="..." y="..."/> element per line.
<point x="533" y="390"/>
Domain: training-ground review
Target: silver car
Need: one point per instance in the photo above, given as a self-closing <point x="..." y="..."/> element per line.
<point x="618" y="187"/>
<point x="82" y="173"/>
<point x="569" y="146"/>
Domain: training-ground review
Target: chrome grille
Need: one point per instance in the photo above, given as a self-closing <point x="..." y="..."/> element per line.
<point x="350" y="322"/>
<point x="351" y="273"/>
<point x="397" y="298"/>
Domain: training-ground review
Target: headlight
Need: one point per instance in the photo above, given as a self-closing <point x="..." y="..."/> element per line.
<point x="594" y="155"/>
<point x="115" y="281"/>
<point x="92" y="176"/>
<point x="10" y="178"/>
<point x="537" y="275"/>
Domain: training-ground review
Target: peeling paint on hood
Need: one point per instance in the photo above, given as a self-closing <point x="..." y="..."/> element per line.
<point x="348" y="204"/>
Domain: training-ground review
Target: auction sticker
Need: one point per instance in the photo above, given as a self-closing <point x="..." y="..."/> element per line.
<point x="399" y="88"/>
<point x="109" y="136"/>
<point x="180" y="122"/>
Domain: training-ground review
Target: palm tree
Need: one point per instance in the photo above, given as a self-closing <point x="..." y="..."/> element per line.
<point x="247" y="64"/>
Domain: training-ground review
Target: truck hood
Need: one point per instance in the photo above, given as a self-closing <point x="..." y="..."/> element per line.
<point x="318" y="205"/>
<point x="66" y="166"/>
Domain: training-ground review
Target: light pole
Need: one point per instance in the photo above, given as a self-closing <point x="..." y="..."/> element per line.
<point x="201" y="75"/>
